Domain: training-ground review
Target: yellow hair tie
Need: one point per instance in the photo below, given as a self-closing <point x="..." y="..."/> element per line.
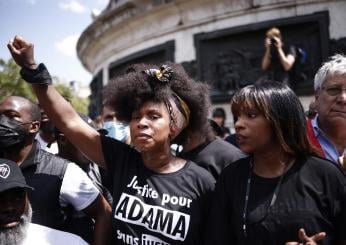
<point x="184" y="108"/>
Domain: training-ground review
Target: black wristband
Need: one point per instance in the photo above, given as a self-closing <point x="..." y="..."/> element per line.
<point x="40" y="75"/>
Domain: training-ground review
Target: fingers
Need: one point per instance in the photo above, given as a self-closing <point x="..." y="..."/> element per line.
<point x="12" y="48"/>
<point x="267" y="42"/>
<point x="278" y="42"/>
<point x="310" y="240"/>
<point x="302" y="235"/>
<point x="19" y="43"/>
<point x="318" y="237"/>
<point x="22" y="52"/>
<point x="16" y="45"/>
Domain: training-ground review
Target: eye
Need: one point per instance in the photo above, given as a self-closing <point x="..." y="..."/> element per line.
<point x="252" y="114"/>
<point x="333" y="90"/>
<point x="10" y="114"/>
<point x="154" y="116"/>
<point x="108" y="118"/>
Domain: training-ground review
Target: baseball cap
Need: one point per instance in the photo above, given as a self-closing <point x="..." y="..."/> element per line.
<point x="11" y="176"/>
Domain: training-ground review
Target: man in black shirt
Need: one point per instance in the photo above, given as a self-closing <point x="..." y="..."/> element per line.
<point x="209" y="152"/>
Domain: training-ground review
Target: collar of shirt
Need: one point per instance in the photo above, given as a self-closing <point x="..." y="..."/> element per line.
<point x="31" y="159"/>
<point x="328" y="147"/>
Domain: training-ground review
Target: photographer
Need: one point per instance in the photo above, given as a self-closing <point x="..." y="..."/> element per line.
<point x="277" y="61"/>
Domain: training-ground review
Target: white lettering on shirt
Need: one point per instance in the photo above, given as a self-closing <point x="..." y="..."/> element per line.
<point x="172" y="224"/>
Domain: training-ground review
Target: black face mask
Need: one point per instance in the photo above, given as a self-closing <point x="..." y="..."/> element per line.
<point x="12" y="132"/>
<point x="47" y="127"/>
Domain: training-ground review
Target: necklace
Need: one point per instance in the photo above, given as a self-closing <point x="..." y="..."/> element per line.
<point x="247" y="194"/>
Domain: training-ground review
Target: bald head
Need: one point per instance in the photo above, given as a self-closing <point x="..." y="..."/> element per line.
<point x="23" y="107"/>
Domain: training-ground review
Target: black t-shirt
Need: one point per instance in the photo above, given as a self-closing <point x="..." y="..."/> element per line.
<point x="214" y="156"/>
<point x="312" y="196"/>
<point x="154" y="208"/>
<point x="276" y="71"/>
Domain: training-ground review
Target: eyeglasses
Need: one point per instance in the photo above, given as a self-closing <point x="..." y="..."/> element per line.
<point x="334" y="90"/>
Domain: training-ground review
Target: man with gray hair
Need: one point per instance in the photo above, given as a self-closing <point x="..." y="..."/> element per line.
<point x="327" y="131"/>
<point x="15" y="213"/>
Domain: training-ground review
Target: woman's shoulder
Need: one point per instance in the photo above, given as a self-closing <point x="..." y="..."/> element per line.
<point x="235" y="172"/>
<point x="193" y="167"/>
<point x="321" y="164"/>
<point x="198" y="173"/>
<point x="323" y="167"/>
<point x="110" y="145"/>
<point x="117" y="153"/>
<point x="241" y="165"/>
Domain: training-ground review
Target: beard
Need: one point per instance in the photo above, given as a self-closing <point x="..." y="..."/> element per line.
<point x="17" y="234"/>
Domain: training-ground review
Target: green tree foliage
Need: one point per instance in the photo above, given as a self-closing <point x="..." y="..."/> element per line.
<point x="12" y="84"/>
<point x="80" y="104"/>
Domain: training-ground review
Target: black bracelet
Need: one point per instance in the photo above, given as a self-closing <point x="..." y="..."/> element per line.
<point x="30" y="65"/>
<point x="40" y="75"/>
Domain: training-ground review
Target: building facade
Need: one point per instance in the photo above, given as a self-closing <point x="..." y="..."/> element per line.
<point x="220" y="42"/>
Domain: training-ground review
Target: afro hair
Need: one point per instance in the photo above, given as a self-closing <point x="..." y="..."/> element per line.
<point x="127" y="93"/>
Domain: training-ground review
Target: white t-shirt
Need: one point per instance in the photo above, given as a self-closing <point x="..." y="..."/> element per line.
<point x="42" y="235"/>
<point x="76" y="188"/>
<point x="43" y="144"/>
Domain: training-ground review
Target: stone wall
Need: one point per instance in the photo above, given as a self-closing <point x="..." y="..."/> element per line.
<point x="126" y="28"/>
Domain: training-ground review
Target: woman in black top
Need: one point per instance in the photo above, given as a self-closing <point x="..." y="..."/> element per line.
<point x="281" y="187"/>
<point x="158" y="198"/>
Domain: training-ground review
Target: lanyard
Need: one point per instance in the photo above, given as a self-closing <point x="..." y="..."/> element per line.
<point x="247" y="195"/>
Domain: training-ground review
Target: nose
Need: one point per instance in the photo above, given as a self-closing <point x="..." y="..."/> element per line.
<point x="238" y="123"/>
<point x="342" y="96"/>
<point x="142" y="122"/>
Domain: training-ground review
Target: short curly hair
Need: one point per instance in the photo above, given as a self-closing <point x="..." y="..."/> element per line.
<point x="127" y="93"/>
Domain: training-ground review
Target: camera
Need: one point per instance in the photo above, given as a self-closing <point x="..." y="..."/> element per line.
<point x="273" y="41"/>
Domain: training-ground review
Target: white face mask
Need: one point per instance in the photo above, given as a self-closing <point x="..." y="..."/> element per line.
<point x="117" y="130"/>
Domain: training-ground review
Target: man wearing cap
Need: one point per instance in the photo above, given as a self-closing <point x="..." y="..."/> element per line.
<point x="60" y="186"/>
<point x="15" y="213"/>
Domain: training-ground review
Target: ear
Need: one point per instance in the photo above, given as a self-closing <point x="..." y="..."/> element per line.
<point x="317" y="94"/>
<point x="34" y="127"/>
<point x="173" y="131"/>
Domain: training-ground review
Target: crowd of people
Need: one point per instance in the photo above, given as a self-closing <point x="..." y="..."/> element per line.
<point x="279" y="179"/>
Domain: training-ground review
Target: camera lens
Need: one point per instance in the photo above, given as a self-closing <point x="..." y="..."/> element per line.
<point x="272" y="41"/>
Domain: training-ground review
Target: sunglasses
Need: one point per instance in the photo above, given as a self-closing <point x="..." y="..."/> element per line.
<point x="334" y="90"/>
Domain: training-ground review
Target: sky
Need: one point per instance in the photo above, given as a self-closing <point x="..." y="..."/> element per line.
<point x="53" y="26"/>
